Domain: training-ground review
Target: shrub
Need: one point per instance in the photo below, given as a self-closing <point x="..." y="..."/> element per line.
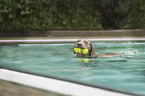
<point x="21" y="15"/>
<point x="28" y="15"/>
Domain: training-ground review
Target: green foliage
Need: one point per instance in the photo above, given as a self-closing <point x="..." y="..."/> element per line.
<point x="114" y="13"/>
<point x="73" y="14"/>
<point x="137" y="17"/>
<point x="28" y="15"/>
<point x="21" y="15"/>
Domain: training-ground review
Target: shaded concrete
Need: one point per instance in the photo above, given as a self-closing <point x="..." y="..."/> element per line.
<point x="13" y="89"/>
<point x="76" y="33"/>
<point x="106" y="33"/>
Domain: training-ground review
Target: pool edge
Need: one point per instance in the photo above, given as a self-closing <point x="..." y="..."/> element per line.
<point x="87" y="88"/>
<point x="69" y="40"/>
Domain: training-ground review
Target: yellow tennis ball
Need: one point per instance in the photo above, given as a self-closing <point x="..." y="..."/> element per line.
<point x="85" y="51"/>
<point x="77" y="50"/>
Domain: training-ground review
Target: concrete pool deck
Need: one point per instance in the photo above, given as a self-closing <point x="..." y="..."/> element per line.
<point x="13" y="89"/>
<point x="66" y="34"/>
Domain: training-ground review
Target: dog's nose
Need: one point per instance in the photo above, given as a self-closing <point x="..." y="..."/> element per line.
<point x="79" y="44"/>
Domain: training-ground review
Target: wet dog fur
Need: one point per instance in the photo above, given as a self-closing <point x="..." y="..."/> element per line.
<point x="91" y="53"/>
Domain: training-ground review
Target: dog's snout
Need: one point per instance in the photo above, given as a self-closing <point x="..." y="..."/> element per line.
<point x="79" y="44"/>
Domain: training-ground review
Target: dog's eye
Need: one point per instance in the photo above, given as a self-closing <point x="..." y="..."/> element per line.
<point x="78" y="41"/>
<point x="86" y="42"/>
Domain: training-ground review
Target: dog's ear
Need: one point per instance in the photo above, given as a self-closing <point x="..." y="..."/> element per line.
<point x="73" y="48"/>
<point x="74" y="52"/>
<point x="92" y="51"/>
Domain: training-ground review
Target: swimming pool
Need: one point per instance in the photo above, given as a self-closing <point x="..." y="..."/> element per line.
<point x="124" y="73"/>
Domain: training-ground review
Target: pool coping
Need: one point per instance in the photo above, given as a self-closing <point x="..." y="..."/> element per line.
<point x="59" y="85"/>
<point x="69" y="40"/>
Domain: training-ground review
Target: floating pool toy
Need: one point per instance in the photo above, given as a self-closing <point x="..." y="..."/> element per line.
<point x="79" y="50"/>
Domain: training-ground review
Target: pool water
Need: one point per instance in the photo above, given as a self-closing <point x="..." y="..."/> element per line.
<point x="125" y="73"/>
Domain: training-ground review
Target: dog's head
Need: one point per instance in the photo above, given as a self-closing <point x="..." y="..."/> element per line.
<point x="84" y="48"/>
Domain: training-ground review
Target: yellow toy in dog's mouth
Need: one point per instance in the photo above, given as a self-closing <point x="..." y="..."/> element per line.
<point x="79" y="50"/>
<point x="85" y="51"/>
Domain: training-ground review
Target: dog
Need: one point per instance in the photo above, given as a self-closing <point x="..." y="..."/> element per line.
<point x="84" y="48"/>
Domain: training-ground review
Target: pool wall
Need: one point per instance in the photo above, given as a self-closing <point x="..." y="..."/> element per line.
<point x="53" y="86"/>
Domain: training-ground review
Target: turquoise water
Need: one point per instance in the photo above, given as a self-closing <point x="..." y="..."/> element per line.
<point x="125" y="73"/>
